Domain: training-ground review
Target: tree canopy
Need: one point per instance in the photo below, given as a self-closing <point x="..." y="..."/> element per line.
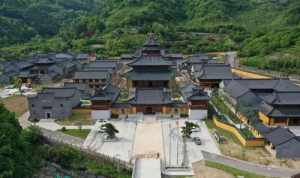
<point x="19" y="154"/>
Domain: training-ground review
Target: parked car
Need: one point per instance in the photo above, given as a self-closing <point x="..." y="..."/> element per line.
<point x="102" y="121"/>
<point x="197" y="140"/>
<point x="9" y="87"/>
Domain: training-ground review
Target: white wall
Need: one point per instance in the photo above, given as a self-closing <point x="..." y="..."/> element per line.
<point x="101" y="114"/>
<point x="198" y="114"/>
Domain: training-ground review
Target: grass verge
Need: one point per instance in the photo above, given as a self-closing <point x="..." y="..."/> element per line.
<point x="83" y="133"/>
<point x="231" y="170"/>
<point x="82" y="117"/>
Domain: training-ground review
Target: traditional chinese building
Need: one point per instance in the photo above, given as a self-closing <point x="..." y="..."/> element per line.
<point x="209" y="76"/>
<point x="277" y="100"/>
<point x="196" y="100"/>
<point x="103" y="100"/>
<point x="95" y="79"/>
<point x="150" y="80"/>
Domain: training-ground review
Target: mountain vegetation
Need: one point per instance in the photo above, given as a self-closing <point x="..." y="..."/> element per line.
<point x="263" y="31"/>
<point x="20" y="150"/>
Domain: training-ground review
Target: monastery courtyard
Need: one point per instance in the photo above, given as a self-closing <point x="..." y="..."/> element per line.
<point x="152" y="137"/>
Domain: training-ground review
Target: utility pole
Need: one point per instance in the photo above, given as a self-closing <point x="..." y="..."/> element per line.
<point x="170" y="147"/>
<point x="185" y="160"/>
<point x="177" y="139"/>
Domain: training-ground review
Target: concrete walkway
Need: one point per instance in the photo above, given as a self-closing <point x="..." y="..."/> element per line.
<point x="147" y="168"/>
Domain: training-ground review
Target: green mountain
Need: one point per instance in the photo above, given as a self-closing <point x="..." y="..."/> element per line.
<point x="263" y="31"/>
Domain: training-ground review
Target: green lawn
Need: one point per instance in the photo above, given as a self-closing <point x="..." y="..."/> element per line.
<point x="82" y="117"/>
<point x="83" y="133"/>
<point x="219" y="103"/>
<point x="235" y="172"/>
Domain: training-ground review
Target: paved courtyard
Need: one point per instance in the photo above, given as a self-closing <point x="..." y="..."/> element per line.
<point x="175" y="151"/>
<point x="152" y="136"/>
<point x="121" y="148"/>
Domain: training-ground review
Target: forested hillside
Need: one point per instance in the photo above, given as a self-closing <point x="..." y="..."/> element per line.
<point x="265" y="32"/>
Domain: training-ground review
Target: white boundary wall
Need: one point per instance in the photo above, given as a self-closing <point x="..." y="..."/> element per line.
<point x="197" y="114"/>
<point x="101" y="114"/>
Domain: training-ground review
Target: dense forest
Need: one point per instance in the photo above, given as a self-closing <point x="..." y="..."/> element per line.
<point x="20" y="150"/>
<point x="265" y="32"/>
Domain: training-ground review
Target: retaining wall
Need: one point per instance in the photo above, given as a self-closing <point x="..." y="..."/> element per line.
<point x="253" y="142"/>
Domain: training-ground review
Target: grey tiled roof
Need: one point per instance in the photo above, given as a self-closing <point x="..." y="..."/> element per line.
<point x="60" y="92"/>
<point x="63" y="56"/>
<point x="151" y="96"/>
<point x="287" y="98"/>
<point x="235" y="89"/>
<point x="44" y="61"/>
<point x="290" y="149"/>
<point x="91" y="75"/>
<point x="154" y="76"/>
<point x="261" y="128"/>
<point x="151" y="61"/>
<point x="284" y="111"/>
<point x="279" y="136"/>
<point x="283" y="85"/>
<point x="82" y="56"/>
<point x="24" y="64"/>
<point x="280" y="97"/>
<point x="215" y="72"/>
<point x="197" y="59"/>
<point x="193" y="92"/>
<point x="85" y="91"/>
<point x="103" y="64"/>
<point x="108" y="93"/>
<point x="26" y="74"/>
<point x="56" y="69"/>
<point x="79" y="86"/>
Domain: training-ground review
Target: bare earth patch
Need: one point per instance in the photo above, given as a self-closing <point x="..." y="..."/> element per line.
<point x="16" y="104"/>
<point x="202" y="171"/>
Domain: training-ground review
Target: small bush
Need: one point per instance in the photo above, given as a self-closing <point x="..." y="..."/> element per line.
<point x="63" y="129"/>
<point x="184" y="115"/>
<point x="114" y="116"/>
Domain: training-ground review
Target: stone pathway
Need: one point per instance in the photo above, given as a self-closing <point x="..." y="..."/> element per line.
<point x="148" y="138"/>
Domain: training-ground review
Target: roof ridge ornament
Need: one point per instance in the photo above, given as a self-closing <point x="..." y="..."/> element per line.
<point x="151" y="40"/>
